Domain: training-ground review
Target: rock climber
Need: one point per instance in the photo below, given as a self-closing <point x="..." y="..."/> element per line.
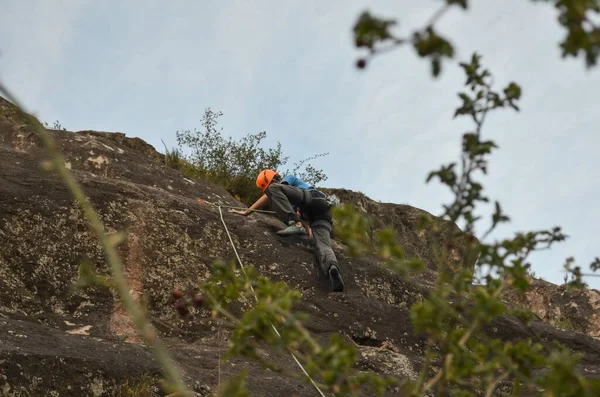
<point x="263" y="201"/>
<point x="285" y="194"/>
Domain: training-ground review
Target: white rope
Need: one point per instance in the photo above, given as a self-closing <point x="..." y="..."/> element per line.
<point x="202" y="201"/>
<point x="256" y="298"/>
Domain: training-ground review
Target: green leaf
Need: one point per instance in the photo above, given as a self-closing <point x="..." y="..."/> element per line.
<point x="595" y="265"/>
<point x="462" y="3"/>
<point x="429" y="44"/>
<point x="512" y="91"/>
<point x="234" y="386"/>
<point x="369" y="30"/>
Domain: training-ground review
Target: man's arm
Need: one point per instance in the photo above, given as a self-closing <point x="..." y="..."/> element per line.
<point x="258" y="204"/>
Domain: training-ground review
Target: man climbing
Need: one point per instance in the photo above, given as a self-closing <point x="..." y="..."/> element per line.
<point x="314" y="209"/>
<point x="264" y="199"/>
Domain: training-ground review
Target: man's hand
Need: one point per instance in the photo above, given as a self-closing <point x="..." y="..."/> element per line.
<point x="308" y="229"/>
<point x="261" y="202"/>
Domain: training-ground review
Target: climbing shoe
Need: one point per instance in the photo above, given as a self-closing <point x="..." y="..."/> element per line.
<point x="337" y="284"/>
<point x="292" y="230"/>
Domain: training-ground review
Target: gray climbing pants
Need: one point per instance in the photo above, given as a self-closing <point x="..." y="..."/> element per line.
<point x="283" y="197"/>
<point x="321" y="231"/>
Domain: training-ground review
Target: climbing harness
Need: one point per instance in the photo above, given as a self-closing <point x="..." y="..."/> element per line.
<point x="202" y="201"/>
<point x="256" y="298"/>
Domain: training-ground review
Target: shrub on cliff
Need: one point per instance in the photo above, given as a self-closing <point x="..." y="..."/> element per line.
<point x="208" y="154"/>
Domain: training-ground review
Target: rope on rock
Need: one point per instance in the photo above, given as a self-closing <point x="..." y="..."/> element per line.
<point x="256" y="298"/>
<point x="202" y="201"/>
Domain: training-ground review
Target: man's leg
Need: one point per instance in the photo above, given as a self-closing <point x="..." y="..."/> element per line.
<point x="321" y="231"/>
<point x="282" y="199"/>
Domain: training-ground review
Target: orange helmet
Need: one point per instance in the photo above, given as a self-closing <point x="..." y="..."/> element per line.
<point x="265" y="178"/>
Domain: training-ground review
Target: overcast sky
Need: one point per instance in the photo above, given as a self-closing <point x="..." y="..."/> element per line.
<point x="150" y="68"/>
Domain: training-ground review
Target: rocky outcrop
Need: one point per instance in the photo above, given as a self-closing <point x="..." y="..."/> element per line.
<point x="423" y="243"/>
<point x="566" y="308"/>
<point x="171" y="241"/>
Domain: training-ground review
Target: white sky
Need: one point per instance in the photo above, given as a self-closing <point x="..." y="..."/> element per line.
<point x="149" y="68"/>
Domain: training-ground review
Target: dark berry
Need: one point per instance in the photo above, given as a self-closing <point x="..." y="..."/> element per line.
<point x="182" y="308"/>
<point x="177" y="294"/>
<point x="361" y="63"/>
<point x="198" y="301"/>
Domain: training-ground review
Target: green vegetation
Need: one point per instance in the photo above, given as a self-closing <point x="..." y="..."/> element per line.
<point x="230" y="163"/>
<point x="57" y="126"/>
<point x="145" y="385"/>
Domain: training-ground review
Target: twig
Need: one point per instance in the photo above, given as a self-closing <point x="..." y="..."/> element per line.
<point x="495" y="383"/>
<point x="423" y="375"/>
<point x="302" y="330"/>
<point x="468" y="334"/>
<point x="217" y="306"/>
<point x="436" y="16"/>
<point x="590" y="274"/>
<point x="432" y="382"/>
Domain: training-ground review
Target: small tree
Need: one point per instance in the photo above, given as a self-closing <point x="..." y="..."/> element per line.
<point x="235" y="164"/>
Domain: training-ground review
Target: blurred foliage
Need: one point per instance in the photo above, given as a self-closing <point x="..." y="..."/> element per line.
<point x="578" y="17"/>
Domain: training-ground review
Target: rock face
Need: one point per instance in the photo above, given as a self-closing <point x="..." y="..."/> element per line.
<point x="59" y="341"/>
<point x="404" y="220"/>
<point x="570" y="309"/>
